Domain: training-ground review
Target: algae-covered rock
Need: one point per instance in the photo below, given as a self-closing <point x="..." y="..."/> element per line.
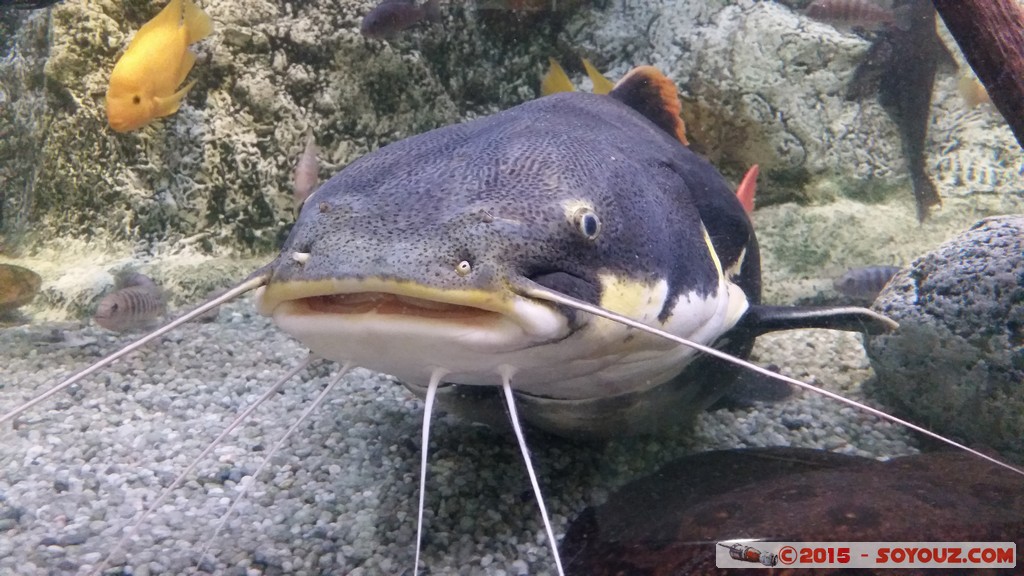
<point x="956" y="364"/>
<point x="763" y="84"/>
<point x="760" y="83"/>
<point x="23" y="49"/>
<point x="218" y="171"/>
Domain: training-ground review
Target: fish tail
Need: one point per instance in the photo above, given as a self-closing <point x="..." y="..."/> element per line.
<point x="197" y="22"/>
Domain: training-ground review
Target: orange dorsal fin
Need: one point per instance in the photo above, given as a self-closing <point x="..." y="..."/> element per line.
<point x="748" y="186"/>
<point x="652" y="94"/>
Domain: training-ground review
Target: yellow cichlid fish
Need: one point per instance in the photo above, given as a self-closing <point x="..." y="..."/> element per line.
<point x="144" y="83"/>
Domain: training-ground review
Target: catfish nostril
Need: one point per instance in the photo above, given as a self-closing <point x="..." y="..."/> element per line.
<point x="463" y="268"/>
<point x="301" y="257"/>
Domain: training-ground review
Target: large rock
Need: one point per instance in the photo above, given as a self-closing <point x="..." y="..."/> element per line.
<point x="764" y="84"/>
<point x="956" y="364"/>
<point x="669" y="522"/>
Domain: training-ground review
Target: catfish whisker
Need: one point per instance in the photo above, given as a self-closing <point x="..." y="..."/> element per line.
<point x="195" y="462"/>
<point x="428" y="408"/>
<point x="541" y="293"/>
<point x="506" y="386"/>
<point x="242" y="288"/>
<point x="277" y="445"/>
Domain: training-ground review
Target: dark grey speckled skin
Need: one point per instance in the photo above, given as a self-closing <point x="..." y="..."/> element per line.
<point x="491" y="192"/>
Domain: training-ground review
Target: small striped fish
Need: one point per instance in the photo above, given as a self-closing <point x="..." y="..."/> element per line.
<point x="138" y="305"/>
<point x="864" y="283"/>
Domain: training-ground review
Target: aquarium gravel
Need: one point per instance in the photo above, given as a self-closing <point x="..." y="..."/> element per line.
<point x="340" y="496"/>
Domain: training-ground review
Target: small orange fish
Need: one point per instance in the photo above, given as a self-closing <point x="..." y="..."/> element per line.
<point x="307" y="171"/>
<point x="144" y="83"/>
<point x="748" y="186"/>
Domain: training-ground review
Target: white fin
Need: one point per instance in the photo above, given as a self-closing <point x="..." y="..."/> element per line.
<point x="506" y="385"/>
<point x="242" y="288"/>
<point x="428" y="408"/>
<point x="277" y="445"/>
<point x="195" y="462"/>
<point x="537" y="291"/>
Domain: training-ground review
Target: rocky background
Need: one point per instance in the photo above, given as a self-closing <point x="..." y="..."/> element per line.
<point x="200" y="197"/>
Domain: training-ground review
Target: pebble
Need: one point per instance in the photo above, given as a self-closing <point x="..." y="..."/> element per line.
<point x="342" y="492"/>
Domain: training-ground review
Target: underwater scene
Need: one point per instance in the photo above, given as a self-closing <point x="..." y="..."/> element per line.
<point x="511" y="287"/>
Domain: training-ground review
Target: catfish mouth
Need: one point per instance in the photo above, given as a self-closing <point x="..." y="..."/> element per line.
<point x="385" y="303"/>
<point x="410" y="306"/>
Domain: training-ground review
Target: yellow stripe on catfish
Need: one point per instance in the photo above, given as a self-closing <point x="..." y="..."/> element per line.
<point x="738" y="301"/>
<point x="714" y="255"/>
<point x="641" y="301"/>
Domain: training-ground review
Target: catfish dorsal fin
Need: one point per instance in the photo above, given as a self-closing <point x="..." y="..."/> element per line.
<point x="651" y="93"/>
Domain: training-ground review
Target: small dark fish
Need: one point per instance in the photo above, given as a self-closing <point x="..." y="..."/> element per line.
<point x="27" y="4"/>
<point x="901" y="66"/>
<point x="392" y="16"/>
<point x="134" y="306"/>
<point x="854" y="13"/>
<point x="864" y="283"/>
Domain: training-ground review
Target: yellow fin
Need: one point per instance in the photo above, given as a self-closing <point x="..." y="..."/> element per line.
<point x="197" y="22"/>
<point x="168" y="105"/>
<point x="602" y="85"/>
<point x="556" y="80"/>
<point x="188" y="60"/>
<point x="169" y="17"/>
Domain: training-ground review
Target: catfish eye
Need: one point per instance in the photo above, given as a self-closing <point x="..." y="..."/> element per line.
<point x="463" y="268"/>
<point x="136" y="99"/>
<point x="587" y="222"/>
